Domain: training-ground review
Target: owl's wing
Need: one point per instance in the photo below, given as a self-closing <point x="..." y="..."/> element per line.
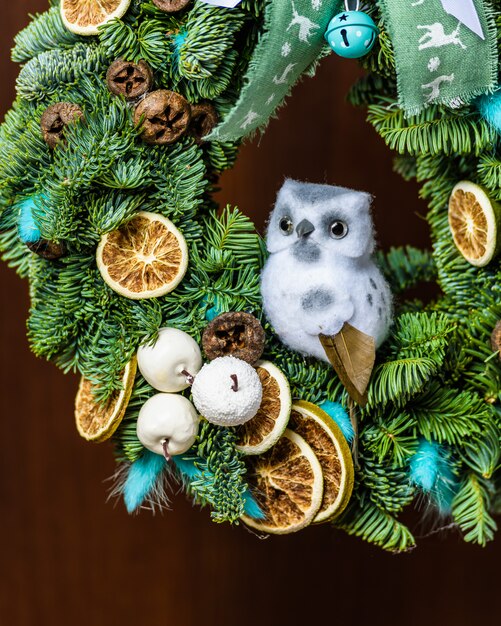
<point x="352" y="354"/>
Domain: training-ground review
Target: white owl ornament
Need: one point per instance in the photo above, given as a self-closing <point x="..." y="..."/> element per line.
<point x="322" y="291"/>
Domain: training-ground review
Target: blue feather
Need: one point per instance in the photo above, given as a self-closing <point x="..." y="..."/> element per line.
<point x="341" y="417"/>
<point x="251" y="507"/>
<point x="489" y="107"/>
<point x="191" y="472"/>
<point x="28" y="229"/>
<point x="430" y="470"/>
<point x="141" y="480"/>
<point x="187" y="467"/>
<point x="179" y="40"/>
<point x="425" y="465"/>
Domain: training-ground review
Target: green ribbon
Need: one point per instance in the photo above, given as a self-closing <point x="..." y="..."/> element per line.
<point x="292" y="41"/>
<point x="438" y="59"/>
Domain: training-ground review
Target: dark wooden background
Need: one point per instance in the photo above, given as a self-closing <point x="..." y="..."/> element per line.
<point x="70" y="558"/>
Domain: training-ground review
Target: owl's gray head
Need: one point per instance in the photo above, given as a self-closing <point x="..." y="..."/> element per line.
<point x="312" y="219"/>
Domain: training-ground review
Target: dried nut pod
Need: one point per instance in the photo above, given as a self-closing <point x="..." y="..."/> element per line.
<point x="171" y="6"/>
<point x="55" y="119"/>
<point x="237" y="334"/>
<point x="204" y="119"/>
<point x="164" y="115"/>
<point x="128" y="79"/>
<point x="496" y="339"/>
<point x="49" y="250"/>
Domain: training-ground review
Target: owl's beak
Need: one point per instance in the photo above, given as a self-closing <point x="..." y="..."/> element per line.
<point x="304" y="228"/>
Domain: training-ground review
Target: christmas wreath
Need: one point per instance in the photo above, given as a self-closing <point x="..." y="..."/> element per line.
<point x="261" y="392"/>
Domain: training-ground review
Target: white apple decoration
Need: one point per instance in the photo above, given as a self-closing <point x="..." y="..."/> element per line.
<point x="167" y="424"/>
<point x="171" y="363"/>
<point x="227" y="391"/>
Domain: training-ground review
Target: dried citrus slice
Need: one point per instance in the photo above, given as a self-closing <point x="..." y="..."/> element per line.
<point x="146" y="258"/>
<point x="327" y="441"/>
<point x="263" y="431"/>
<point x="474" y="221"/>
<point x="97" y="422"/>
<point x="84" y="17"/>
<point x="287" y="484"/>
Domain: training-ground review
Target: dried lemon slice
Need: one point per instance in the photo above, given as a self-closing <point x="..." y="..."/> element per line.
<point x="474" y="221"/>
<point x="84" y="17"/>
<point x="146" y="258"/>
<point x="287" y="484"/>
<point x="263" y="431"/>
<point x="97" y="422"/>
<point x="327" y="441"/>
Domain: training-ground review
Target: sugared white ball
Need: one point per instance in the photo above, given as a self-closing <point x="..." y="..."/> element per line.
<point x="227" y="391"/>
<point x="167" y="417"/>
<point x="165" y="363"/>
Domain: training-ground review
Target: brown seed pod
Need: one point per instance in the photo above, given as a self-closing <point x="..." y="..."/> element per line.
<point x="49" y="250"/>
<point x="55" y="119"/>
<point x="128" y="79"/>
<point x="165" y="116"/>
<point x="237" y="334"/>
<point x="496" y="338"/>
<point x="171" y="6"/>
<point x="204" y="118"/>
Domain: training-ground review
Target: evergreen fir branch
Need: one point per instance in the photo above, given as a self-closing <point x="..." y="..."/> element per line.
<point x="391" y="438"/>
<point x="45" y="32"/>
<point x="381" y="61"/>
<point x="422" y="334"/>
<point x="449" y="415"/>
<point x="470" y="509"/>
<point x="397" y="381"/>
<point x="207" y="37"/>
<point x="221" y="483"/>
<point x="179" y="178"/>
<point x="407" y="266"/>
<point x="46" y="74"/>
<point x="130" y="172"/>
<point x="307" y="381"/>
<point x="482" y="454"/>
<point x="434" y="131"/>
<point x="389" y="488"/>
<point x="154" y="46"/>
<point x="235" y="233"/>
<point x="25" y="155"/>
<point x="127" y="445"/>
<point x="489" y="173"/>
<point x="119" y="39"/>
<point x="221" y="156"/>
<point x="405" y="166"/>
<point x="368" y="521"/>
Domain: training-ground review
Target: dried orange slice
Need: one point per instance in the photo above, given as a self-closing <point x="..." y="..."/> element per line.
<point x="263" y="431"/>
<point x="97" y="422"/>
<point x="327" y="441"/>
<point x="84" y="17"/>
<point x="474" y="221"/>
<point x="146" y="258"/>
<point x="287" y="484"/>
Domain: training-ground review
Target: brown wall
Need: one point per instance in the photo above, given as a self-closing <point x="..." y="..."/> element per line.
<point x="69" y="558"/>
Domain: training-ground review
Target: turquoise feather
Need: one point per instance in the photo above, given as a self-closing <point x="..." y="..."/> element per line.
<point x="430" y="470"/>
<point x="425" y="465"/>
<point x="489" y="107"/>
<point x="341" y="417"/>
<point x="28" y="229"/>
<point x="142" y="478"/>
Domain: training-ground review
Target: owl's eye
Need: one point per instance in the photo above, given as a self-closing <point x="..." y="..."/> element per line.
<point x="286" y="225"/>
<point x="338" y="229"/>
